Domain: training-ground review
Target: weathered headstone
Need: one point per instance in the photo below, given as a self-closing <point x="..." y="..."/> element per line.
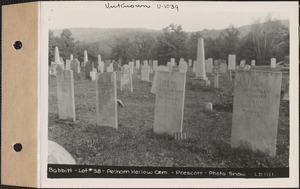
<point x="106" y="100"/>
<point x="88" y="68"/>
<point x="74" y="67"/>
<point x="169" y="66"/>
<point x="131" y="66"/>
<point x="208" y="106"/>
<point x="190" y="63"/>
<point x="252" y="62"/>
<point x="231" y="62"/>
<point x="200" y="66"/>
<point x="65" y="95"/>
<point x="71" y="57"/>
<point x="68" y="64"/>
<point x="110" y="68"/>
<point x="126" y="78"/>
<point x="223" y="68"/>
<point x="183" y="66"/>
<point x="160" y="68"/>
<point x="56" y="55"/>
<point x="137" y="64"/>
<point x="173" y="63"/>
<point x="169" y="102"/>
<point x="93" y="75"/>
<point x="243" y="63"/>
<point x="273" y="63"/>
<point x="209" y="65"/>
<point x="255" y="110"/>
<point x="101" y="67"/>
<point x="115" y="66"/>
<point x="145" y="72"/>
<point x="155" y="65"/>
<point x="85" y="57"/>
<point x="145" y="63"/>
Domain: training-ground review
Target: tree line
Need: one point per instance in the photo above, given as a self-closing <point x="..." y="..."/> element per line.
<point x="266" y="40"/>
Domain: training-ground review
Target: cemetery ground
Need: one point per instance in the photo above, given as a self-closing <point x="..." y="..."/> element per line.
<point x="135" y="143"/>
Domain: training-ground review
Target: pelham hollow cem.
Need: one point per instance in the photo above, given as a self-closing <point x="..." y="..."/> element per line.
<point x="169" y="102"/>
<point x="65" y="95"/>
<point x="106" y="99"/>
<point x="255" y="110"/>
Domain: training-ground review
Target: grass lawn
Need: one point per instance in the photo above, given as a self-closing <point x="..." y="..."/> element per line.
<point x="135" y="144"/>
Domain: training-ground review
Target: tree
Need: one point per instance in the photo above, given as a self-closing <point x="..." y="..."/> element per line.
<point x="171" y="44"/>
<point x="67" y="44"/>
<point x="228" y="41"/>
<point x="193" y="44"/>
<point x="53" y="42"/>
<point x="122" y="49"/>
<point x="142" y="46"/>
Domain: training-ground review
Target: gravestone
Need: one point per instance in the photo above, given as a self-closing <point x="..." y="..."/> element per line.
<point x="160" y="68"/>
<point x="150" y="63"/>
<point x="145" y="73"/>
<point x="87" y="69"/>
<point x="183" y="66"/>
<point x="194" y="66"/>
<point x="216" y="80"/>
<point x="208" y="106"/>
<point x="169" y="102"/>
<point x="231" y="62"/>
<point x="126" y="78"/>
<point x="169" y="66"/>
<point x="115" y="66"/>
<point x="137" y="64"/>
<point x="200" y="66"/>
<point x="173" y="63"/>
<point x="145" y="63"/>
<point x="65" y="95"/>
<point x="106" y="65"/>
<point x="53" y="68"/>
<point x="110" y="68"/>
<point x="131" y="66"/>
<point x="243" y="63"/>
<point x="93" y="75"/>
<point x="68" y="64"/>
<point x="101" y="67"/>
<point x="155" y="65"/>
<point x="74" y="67"/>
<point x="209" y="65"/>
<point x="106" y="100"/>
<point x="190" y="63"/>
<point x="255" y="110"/>
<point x="56" y="55"/>
<point x="223" y="68"/>
<point x="85" y="57"/>
<point x="71" y="57"/>
<point x="99" y="59"/>
<point x="273" y="63"/>
<point x="252" y="62"/>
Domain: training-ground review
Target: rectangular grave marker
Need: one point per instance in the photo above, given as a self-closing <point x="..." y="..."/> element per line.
<point x="106" y="100"/>
<point x="65" y="95"/>
<point x="231" y="62"/>
<point x="169" y="102"/>
<point x="145" y="73"/>
<point x="255" y="110"/>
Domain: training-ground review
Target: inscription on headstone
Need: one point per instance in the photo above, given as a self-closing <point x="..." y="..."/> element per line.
<point x="255" y="110"/>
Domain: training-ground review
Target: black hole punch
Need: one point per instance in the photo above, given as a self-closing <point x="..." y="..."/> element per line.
<point x="18" y="45"/>
<point x="18" y="147"/>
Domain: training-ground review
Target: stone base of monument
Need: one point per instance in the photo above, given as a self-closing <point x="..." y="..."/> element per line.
<point x="201" y="82"/>
<point x="179" y="136"/>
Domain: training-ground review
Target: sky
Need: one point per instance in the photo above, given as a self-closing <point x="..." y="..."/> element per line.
<point x="192" y="16"/>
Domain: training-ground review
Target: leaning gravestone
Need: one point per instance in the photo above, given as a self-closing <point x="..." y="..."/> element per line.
<point x="106" y="100"/>
<point x="126" y="78"/>
<point x="65" y="95"/>
<point x="74" y="68"/>
<point x="88" y="68"/>
<point x="255" y="110"/>
<point x="160" y="68"/>
<point x="145" y="73"/>
<point x="169" y="102"/>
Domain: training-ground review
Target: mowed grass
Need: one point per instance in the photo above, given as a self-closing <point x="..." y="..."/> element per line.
<point x="135" y="143"/>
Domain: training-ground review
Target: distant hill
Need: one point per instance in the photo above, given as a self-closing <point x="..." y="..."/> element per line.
<point x="106" y="36"/>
